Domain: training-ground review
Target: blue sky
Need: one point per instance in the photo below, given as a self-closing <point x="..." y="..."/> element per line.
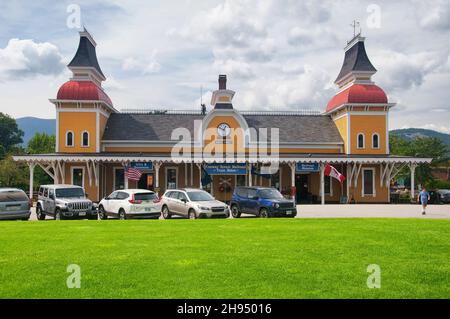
<point x="278" y="55"/>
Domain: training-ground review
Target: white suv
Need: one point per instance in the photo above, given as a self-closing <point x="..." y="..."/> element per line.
<point x="130" y="203"/>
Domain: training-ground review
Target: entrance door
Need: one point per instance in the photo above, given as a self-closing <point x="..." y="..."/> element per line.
<point x="146" y="181"/>
<point x="301" y="185"/>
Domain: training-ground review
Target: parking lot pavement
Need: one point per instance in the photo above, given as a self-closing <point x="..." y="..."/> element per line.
<point x="372" y="210"/>
<point x="357" y="211"/>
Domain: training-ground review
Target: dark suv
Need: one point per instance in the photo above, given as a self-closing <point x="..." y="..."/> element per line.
<point x="261" y="201"/>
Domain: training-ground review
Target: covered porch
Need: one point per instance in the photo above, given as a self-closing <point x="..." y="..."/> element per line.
<point x="368" y="178"/>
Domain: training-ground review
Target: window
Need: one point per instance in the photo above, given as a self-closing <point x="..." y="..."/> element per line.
<point x="122" y="195"/>
<point x="119" y="175"/>
<point x="78" y="176"/>
<point x="182" y="196"/>
<point x="45" y="192"/>
<point x="275" y="180"/>
<point x="171" y="178"/>
<point x="13" y="196"/>
<point x="242" y="192"/>
<point x="327" y="180"/>
<point x="360" y="140"/>
<point x="85" y="139"/>
<point x="69" y="139"/>
<point x="251" y="193"/>
<point x="368" y="182"/>
<point x="375" y="140"/>
<point x="241" y="180"/>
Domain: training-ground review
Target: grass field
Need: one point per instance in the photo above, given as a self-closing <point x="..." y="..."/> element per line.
<point x="245" y="258"/>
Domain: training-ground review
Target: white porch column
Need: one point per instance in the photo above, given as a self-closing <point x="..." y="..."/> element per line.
<point x="157" y="166"/>
<point x="348" y="182"/>
<point x="199" y="166"/>
<point x="125" y="179"/>
<point x="322" y="183"/>
<point x="250" y="179"/>
<point x="412" y="167"/>
<point x="31" y="166"/>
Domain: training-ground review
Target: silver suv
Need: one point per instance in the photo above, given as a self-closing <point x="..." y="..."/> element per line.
<point x="192" y="203"/>
<point x="64" y="202"/>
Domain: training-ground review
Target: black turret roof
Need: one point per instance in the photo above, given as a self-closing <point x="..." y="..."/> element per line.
<point x="86" y="55"/>
<point x="356" y="59"/>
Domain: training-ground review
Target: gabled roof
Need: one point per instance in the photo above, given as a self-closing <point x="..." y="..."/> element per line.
<point x="86" y="55"/>
<point x="158" y="127"/>
<point x="355" y="59"/>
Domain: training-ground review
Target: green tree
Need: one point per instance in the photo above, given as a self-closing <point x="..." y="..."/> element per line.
<point x="13" y="174"/>
<point x="10" y="134"/>
<point x="430" y="147"/>
<point x="41" y="143"/>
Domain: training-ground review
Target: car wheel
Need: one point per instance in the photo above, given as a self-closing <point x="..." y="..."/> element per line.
<point x="166" y="213"/>
<point x="40" y="215"/>
<point x="263" y="213"/>
<point x="58" y="215"/>
<point x="191" y="214"/>
<point x="122" y="214"/>
<point x="102" y="213"/>
<point x="235" y="211"/>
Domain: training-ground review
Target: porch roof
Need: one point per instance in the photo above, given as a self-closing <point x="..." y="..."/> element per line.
<point x="232" y="158"/>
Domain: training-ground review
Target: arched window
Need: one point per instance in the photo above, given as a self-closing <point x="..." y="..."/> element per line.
<point x="85" y="139"/>
<point x="360" y="140"/>
<point x="375" y="140"/>
<point x="69" y="138"/>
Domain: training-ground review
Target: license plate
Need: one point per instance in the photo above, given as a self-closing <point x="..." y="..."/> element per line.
<point x="82" y="214"/>
<point x="289" y="212"/>
<point x="148" y="209"/>
<point x="12" y="208"/>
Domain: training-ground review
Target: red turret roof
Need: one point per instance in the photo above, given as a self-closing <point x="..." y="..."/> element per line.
<point x="82" y="90"/>
<point x="358" y="93"/>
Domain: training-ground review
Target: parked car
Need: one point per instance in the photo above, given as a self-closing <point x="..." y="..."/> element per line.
<point x="14" y="204"/>
<point x="261" y="201"/>
<point x="130" y="203"/>
<point x="192" y="203"/>
<point x="443" y="196"/>
<point x="64" y="202"/>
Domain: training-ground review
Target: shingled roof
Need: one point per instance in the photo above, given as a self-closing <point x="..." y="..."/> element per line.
<point x="158" y="127"/>
<point x="355" y="59"/>
<point x="86" y="55"/>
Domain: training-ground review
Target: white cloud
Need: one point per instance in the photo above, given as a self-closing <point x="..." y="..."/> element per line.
<point x="144" y="66"/>
<point x="436" y="17"/>
<point x="26" y="58"/>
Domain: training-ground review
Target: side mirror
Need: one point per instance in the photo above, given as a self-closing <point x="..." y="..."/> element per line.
<point x="255" y="197"/>
<point x="184" y="200"/>
<point x="86" y="194"/>
<point x="51" y="196"/>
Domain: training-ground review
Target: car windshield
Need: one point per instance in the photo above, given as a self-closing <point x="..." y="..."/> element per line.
<point x="13" y="196"/>
<point x="69" y="192"/>
<point x="200" y="196"/>
<point x="145" y="196"/>
<point x="270" y="194"/>
<point x="444" y="191"/>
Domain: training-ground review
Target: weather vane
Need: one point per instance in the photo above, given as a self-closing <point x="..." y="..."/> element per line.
<point x="355" y="24"/>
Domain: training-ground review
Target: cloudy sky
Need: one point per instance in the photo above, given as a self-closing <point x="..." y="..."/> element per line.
<point x="278" y="54"/>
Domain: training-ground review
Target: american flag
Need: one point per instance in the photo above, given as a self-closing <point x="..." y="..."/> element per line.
<point x="133" y="174"/>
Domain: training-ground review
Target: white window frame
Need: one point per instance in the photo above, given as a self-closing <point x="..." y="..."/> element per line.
<point x="89" y="139"/>
<point x="378" y="136"/>
<point x="114" y="177"/>
<point x="71" y="174"/>
<point x="357" y="141"/>
<point x="176" y="175"/>
<point x="73" y="138"/>
<point x="373" y="183"/>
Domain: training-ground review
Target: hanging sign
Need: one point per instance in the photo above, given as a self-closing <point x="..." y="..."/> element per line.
<point x="226" y="169"/>
<point x="142" y="165"/>
<point x="307" y="167"/>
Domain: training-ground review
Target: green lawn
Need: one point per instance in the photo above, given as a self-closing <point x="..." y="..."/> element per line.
<point x="240" y="258"/>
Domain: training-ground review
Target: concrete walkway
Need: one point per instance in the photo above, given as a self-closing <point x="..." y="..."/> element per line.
<point x="372" y="210"/>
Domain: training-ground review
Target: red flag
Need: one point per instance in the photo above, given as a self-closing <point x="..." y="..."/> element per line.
<point x="331" y="171"/>
<point x="133" y="174"/>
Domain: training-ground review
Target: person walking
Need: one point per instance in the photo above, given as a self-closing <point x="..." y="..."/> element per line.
<point x="423" y="198"/>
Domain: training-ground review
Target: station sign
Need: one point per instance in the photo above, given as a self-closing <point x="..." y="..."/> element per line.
<point x="307" y="167"/>
<point x="142" y="165"/>
<point x="226" y="169"/>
